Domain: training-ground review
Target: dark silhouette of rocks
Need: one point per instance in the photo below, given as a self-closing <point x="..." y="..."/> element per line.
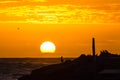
<point x="102" y="67"/>
<point x="81" y="68"/>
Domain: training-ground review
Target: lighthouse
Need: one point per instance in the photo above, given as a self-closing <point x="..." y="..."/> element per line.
<point x="93" y="48"/>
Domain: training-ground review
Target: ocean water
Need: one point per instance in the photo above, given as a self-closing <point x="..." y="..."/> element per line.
<point x="13" y="68"/>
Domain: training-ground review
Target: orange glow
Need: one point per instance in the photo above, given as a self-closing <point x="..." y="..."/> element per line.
<point x="71" y="24"/>
<point x="34" y="12"/>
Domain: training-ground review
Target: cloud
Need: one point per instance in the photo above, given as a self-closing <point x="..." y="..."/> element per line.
<point x="14" y="1"/>
<point x="62" y="14"/>
<point x="9" y="1"/>
<point x="34" y="0"/>
<point x="39" y="0"/>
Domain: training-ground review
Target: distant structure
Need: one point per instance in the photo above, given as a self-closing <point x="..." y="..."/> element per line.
<point x="94" y="57"/>
<point x="93" y="48"/>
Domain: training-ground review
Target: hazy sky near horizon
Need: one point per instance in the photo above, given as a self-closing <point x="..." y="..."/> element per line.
<point x="25" y="24"/>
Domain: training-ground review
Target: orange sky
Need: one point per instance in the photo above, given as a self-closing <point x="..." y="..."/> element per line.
<point x="69" y="24"/>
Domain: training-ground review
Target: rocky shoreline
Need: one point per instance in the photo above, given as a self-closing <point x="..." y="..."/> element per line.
<point x="81" y="68"/>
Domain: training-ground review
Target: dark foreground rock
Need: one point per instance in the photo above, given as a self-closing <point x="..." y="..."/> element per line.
<point x="82" y="68"/>
<point x="69" y="70"/>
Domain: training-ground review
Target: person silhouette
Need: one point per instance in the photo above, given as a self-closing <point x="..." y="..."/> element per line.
<point x="62" y="60"/>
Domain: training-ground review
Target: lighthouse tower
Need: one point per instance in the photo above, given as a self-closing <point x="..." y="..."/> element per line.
<point x="93" y="48"/>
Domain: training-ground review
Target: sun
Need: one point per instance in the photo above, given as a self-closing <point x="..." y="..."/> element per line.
<point x="47" y="47"/>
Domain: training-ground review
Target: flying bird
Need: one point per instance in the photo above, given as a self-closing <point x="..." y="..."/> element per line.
<point x="18" y="28"/>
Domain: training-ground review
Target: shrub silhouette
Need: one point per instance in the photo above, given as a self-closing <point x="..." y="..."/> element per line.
<point x="106" y="53"/>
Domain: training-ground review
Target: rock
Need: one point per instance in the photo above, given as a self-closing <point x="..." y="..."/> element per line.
<point x="69" y="70"/>
<point x="82" y="68"/>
